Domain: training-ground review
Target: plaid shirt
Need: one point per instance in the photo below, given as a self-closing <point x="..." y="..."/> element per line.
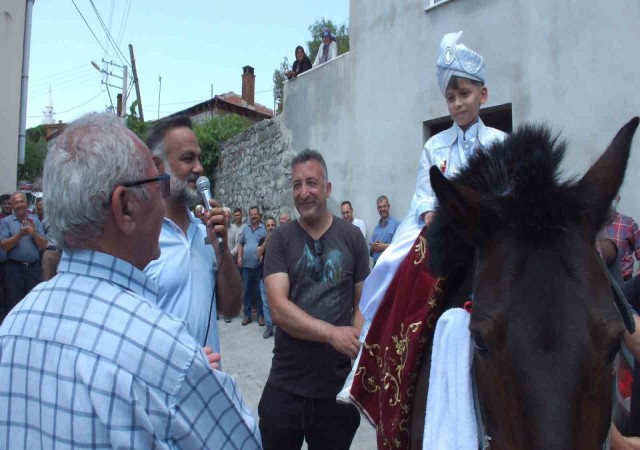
<point x="624" y="231"/>
<point x="88" y="361"/>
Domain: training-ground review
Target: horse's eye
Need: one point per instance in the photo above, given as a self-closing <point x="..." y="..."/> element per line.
<point x="479" y="343"/>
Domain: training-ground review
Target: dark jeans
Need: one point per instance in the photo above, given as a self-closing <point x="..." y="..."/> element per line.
<point x="287" y="419"/>
<point x="251" y="286"/>
<point x="18" y="282"/>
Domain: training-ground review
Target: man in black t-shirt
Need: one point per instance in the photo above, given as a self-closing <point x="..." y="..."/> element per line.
<point x="314" y="271"/>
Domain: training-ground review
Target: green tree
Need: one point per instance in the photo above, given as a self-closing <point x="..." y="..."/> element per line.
<point x="134" y="123"/>
<point x="35" y="153"/>
<point x="278" y="83"/>
<point x="341" y="33"/>
<point x="214" y="132"/>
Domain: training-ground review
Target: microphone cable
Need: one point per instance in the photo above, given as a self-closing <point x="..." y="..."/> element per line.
<point x="218" y="269"/>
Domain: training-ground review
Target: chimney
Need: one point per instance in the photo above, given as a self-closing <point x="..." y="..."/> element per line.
<point x="248" y="85"/>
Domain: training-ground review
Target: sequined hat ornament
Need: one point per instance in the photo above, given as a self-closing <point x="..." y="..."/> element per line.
<point x="458" y="60"/>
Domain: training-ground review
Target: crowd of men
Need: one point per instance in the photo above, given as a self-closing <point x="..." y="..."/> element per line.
<point x="129" y="323"/>
<point x="115" y="285"/>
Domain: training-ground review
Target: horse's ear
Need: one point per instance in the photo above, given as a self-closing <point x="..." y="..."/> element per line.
<point x="601" y="182"/>
<point x="459" y="203"/>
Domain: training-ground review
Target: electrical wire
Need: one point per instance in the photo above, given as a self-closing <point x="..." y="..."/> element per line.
<point x="119" y="53"/>
<point x="75" y="107"/>
<point x="60" y="75"/>
<point x="85" y="22"/>
<point x="123" y="23"/>
<point x="38" y="91"/>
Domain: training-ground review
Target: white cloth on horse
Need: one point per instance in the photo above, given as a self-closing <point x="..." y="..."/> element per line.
<point x="344" y="396"/>
<point x="450" y="420"/>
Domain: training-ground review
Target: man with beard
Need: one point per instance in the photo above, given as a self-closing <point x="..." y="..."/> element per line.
<point x="195" y="275"/>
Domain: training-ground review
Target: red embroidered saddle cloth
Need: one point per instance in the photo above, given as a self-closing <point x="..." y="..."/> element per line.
<point x="384" y="383"/>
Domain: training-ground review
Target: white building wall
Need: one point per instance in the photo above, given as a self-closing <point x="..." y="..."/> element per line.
<point x="572" y="64"/>
<point x="12" y="15"/>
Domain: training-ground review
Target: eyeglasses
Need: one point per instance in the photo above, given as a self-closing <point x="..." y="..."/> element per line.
<point x="162" y="179"/>
<point x="318" y="248"/>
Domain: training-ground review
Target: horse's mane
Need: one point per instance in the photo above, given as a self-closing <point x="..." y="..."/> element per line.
<point x="521" y="193"/>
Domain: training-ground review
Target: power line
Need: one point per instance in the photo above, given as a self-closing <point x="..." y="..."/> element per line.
<point x="75" y="107"/>
<point x="44" y="88"/>
<point x="82" y="104"/>
<point x="119" y="53"/>
<point x="123" y="23"/>
<point x="85" y="22"/>
<point x="63" y="74"/>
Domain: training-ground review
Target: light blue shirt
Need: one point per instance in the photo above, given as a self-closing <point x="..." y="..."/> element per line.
<point x="249" y="239"/>
<point x="384" y="233"/>
<point x="87" y="360"/>
<point x="186" y="278"/>
<point x="26" y="250"/>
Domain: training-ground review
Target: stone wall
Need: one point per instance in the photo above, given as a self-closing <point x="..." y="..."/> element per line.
<point x="254" y="168"/>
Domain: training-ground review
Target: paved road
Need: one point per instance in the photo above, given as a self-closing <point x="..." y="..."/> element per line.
<point x="247" y="357"/>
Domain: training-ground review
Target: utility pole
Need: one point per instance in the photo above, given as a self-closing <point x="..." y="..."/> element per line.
<point x="159" y="90"/>
<point x="121" y="108"/>
<point x="135" y="81"/>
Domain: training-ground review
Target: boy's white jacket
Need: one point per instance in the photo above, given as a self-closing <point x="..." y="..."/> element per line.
<point x="438" y="151"/>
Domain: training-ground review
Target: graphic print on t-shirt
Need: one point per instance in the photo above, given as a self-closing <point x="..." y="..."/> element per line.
<point x="320" y="275"/>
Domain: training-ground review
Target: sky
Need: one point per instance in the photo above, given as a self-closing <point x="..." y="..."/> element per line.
<point x="192" y="45"/>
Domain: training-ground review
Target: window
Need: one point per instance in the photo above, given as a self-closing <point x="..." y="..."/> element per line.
<point x="497" y="117"/>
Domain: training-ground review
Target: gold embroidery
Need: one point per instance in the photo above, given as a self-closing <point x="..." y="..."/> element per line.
<point x="421" y="250"/>
<point x="391" y="364"/>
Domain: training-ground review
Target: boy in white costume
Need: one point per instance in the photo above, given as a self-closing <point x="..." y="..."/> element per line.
<point x="461" y="78"/>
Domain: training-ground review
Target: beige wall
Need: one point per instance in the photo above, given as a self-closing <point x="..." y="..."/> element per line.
<point x="12" y="14"/>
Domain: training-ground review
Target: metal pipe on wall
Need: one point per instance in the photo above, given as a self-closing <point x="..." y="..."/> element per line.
<point x="26" y="46"/>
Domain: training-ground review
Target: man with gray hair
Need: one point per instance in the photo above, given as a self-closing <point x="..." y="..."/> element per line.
<point x="197" y="278"/>
<point x="105" y="366"/>
<point x="22" y="237"/>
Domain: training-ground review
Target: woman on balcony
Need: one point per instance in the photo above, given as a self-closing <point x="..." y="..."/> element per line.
<point x="300" y="65"/>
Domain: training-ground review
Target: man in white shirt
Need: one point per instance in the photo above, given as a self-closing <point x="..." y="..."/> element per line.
<point x="347" y="214"/>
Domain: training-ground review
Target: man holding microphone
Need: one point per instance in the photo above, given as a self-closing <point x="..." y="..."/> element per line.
<point x="197" y="276"/>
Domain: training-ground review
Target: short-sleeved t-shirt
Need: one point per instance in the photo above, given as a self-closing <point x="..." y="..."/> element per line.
<point x="26" y="250"/>
<point x="249" y="239"/>
<point x="322" y="275"/>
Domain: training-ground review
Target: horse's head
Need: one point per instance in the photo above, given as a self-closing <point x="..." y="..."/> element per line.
<point x="544" y="324"/>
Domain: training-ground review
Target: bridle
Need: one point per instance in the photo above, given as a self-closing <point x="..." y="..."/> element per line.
<point x="626" y="314"/>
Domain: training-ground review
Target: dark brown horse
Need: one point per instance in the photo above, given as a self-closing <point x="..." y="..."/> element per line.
<point x="544" y="324"/>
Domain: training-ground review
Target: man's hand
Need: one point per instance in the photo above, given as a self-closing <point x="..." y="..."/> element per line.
<point x="26" y="228"/>
<point x="345" y="340"/>
<point x="212" y="357"/>
<point x="214" y="220"/>
<point x="428" y="218"/>
<point x="375" y="247"/>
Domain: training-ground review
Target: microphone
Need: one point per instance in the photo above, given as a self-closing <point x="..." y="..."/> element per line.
<point x="204" y="187"/>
